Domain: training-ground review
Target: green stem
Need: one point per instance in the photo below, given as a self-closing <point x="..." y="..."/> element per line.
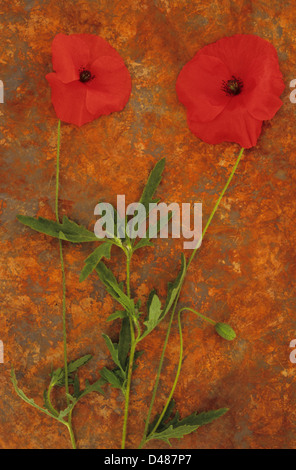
<point x="58" y="172"/>
<point x="131" y="357"/>
<point x="70" y="429"/>
<point x="176" y="377"/>
<point x="128" y="386"/>
<point x="177" y="299"/>
<point x="62" y="262"/>
<point x="156" y="383"/>
<point x="64" y="320"/>
<point x="207" y="319"/>
<point x="69" y="424"/>
<point x="128" y="282"/>
<point x="216" y="206"/>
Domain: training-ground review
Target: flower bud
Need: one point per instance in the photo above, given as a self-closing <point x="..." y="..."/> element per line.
<point x="225" y="331"/>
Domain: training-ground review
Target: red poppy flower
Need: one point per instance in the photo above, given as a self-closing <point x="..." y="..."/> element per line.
<point x="229" y="88"/>
<point x="90" y="78"/>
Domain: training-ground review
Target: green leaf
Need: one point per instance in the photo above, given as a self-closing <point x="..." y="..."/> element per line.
<point x="124" y="342"/>
<point x="152" y="232"/>
<point x="74" y="365"/>
<point x="152" y="184"/>
<point x="58" y="376"/>
<point x="117" y="314"/>
<point x="172" y="432"/>
<point x="95" y="387"/>
<point x="166" y="416"/>
<point x="45" y="400"/>
<point x="112" y="286"/>
<point x="176" y="428"/>
<point x="94" y="258"/>
<point x="154" y="312"/>
<point x="142" y="243"/>
<point x="147" y="198"/>
<point x="24" y="397"/>
<point x="67" y="230"/>
<point x="111" y="378"/>
<point x="203" y="418"/>
<point x="173" y="290"/>
<point x="66" y="411"/>
<point x="76" y="386"/>
<point x="113" y="348"/>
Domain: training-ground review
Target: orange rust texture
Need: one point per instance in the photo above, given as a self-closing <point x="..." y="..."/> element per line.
<point x="243" y="274"/>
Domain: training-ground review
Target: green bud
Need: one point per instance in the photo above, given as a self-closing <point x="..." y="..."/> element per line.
<point x="225" y="331"/>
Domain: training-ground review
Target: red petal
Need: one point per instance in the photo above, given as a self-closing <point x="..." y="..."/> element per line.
<point x="199" y="87"/>
<point x="109" y="91"/>
<point x="69" y="53"/>
<point x="249" y="58"/>
<point x="98" y="47"/>
<point x="69" y="101"/>
<point x="234" y="124"/>
<point x="262" y="97"/>
<point x="240" y="51"/>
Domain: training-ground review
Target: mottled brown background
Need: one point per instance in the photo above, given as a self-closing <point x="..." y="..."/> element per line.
<point x="244" y="273"/>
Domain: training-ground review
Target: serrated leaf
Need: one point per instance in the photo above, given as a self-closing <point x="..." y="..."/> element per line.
<point x="58" y="376"/>
<point x="102" y="251"/>
<point x="165" y="417"/>
<point x="65" y="412"/>
<point x="176" y="428"/>
<point x="112" y="286"/>
<point x="67" y="230"/>
<point x="74" y="365"/>
<point x="203" y="418"/>
<point x="95" y="387"/>
<point x="172" y="432"/>
<point x="124" y="342"/>
<point x="111" y="378"/>
<point x="24" y="397"/>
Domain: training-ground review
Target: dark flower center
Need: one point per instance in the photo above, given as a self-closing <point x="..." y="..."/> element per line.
<point x="85" y="76"/>
<point x="233" y="86"/>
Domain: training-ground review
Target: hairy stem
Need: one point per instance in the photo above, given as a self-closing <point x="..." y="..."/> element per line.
<point x="209" y="320"/>
<point x="175" y="305"/>
<point x="69" y="424"/>
<point x="155" y="388"/>
<point x="128" y="386"/>
<point x="131" y="357"/>
<point x="70" y="429"/>
<point x="203" y="317"/>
